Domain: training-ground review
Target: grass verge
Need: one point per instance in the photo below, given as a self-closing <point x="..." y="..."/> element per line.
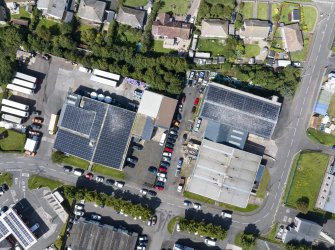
<point x="252" y="50"/>
<point x="172" y="223"/>
<point x="310" y="17"/>
<point x="117" y="174"/>
<point x="7" y="178"/>
<point x="13" y="140"/>
<point x="198" y="197"/>
<point x="135" y="3"/>
<point x="36" y="182"/>
<point x="307" y="178"/>
<point x="263" y="184"/>
<point x="249" y="208"/>
<point x="76" y="162"/>
<point x="321" y="137"/>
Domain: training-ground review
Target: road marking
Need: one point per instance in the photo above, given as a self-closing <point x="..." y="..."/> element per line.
<point x="235" y="221"/>
<point x="285" y="218"/>
<point x="289" y="220"/>
<point x="25" y="174"/>
<point x="14" y="169"/>
<point x="19" y="162"/>
<point x="266" y="244"/>
<point x="266" y="215"/>
<point x="52" y="169"/>
<point x="41" y="166"/>
<point x="15" y="180"/>
<point x="10" y="162"/>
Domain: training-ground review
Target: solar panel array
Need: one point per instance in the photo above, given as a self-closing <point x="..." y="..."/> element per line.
<point x="3" y="230"/>
<point x="241" y="111"/>
<point x="77" y="119"/>
<point x="108" y="137"/>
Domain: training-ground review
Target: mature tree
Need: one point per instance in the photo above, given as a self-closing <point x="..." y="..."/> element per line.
<point x="248" y="240"/>
<point x="57" y="157"/>
<point x="88" y="36"/>
<point x="238" y="21"/>
<point x="43" y="32"/>
<point x="302" y="204"/>
<point x="217" y="10"/>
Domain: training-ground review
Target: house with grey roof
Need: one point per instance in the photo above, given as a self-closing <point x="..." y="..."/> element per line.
<point x="92" y="10"/>
<point x="132" y="17"/>
<point x="55" y="9"/>
<point x="254" y="29"/>
<point x="214" y="28"/>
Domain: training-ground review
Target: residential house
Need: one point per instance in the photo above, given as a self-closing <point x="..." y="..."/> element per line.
<point x="292" y="37"/>
<point x="166" y="27"/>
<point x="3" y="15"/>
<point x="92" y="10"/>
<point x="255" y="30"/>
<point x="132" y="17"/>
<point x="214" y="28"/>
<point x="295" y="15"/>
<point x="302" y="229"/>
<point x="55" y="9"/>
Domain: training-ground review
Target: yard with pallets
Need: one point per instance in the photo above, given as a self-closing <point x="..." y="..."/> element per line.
<point x="305" y="178"/>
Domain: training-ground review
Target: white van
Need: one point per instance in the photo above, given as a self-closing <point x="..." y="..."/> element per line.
<point x="210" y="242"/>
<point x="162" y="141"/>
<point x="226" y="214"/>
<point x="78" y="172"/>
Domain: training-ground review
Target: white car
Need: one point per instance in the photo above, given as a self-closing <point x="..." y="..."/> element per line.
<point x="167" y="154"/>
<point x="163" y="175"/>
<point x="99" y="179"/>
<point x="79" y="213"/>
<point x="196" y="206"/>
<point x="178" y="228"/>
<point x="118" y="184"/>
<point x="96" y="217"/>
<point x="197" y="126"/>
<point x="143" y="191"/>
<point x="161" y="179"/>
<point x="79" y="207"/>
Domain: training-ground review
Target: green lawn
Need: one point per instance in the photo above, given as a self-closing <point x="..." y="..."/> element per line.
<point x="263" y="184"/>
<point x="83" y="27"/>
<point x="47" y="23"/>
<point x="310" y="16"/>
<point x="108" y="171"/>
<point x="198" y="197"/>
<point x="215" y="47"/>
<point x="36" y="181"/>
<point x="13" y="142"/>
<point x="172" y="223"/>
<point x="286" y="11"/>
<point x="331" y="107"/>
<point x="135" y="3"/>
<point x="158" y="47"/>
<point x="6" y="177"/>
<point x="177" y="7"/>
<point x="306" y="181"/>
<point x="248" y="10"/>
<point x="302" y="54"/>
<point x="252" y="50"/>
<point x="76" y="162"/>
<point x="262" y="11"/>
<point x="275" y="9"/>
<point x="321" y="137"/>
<point x="23" y="14"/>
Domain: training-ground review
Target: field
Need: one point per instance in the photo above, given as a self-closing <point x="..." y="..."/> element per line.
<point x="76" y="162"/>
<point x="306" y="179"/>
<point x="7" y="178"/>
<point x="302" y="54"/>
<point x="247" y="11"/>
<point x="262" y="11"/>
<point x="263" y="184"/>
<point x="252" y="50"/>
<point x="135" y="3"/>
<point x="158" y="47"/>
<point x="310" y="17"/>
<point x="36" y="181"/>
<point x="177" y="7"/>
<point x="213" y="46"/>
<point x="321" y="137"/>
<point x="14" y="141"/>
<point x="108" y="171"/>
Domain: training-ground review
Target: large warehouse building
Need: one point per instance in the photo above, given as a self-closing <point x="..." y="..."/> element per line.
<point x="240" y="110"/>
<point x="224" y="174"/>
<point x="94" y="130"/>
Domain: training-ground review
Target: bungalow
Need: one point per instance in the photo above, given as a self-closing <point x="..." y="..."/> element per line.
<point x="92" y="10"/>
<point x="254" y="29"/>
<point x="214" y="28"/>
<point x="292" y="37"/>
<point x="132" y="17"/>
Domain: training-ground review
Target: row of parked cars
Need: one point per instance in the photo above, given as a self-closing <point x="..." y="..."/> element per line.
<point x="90" y="176"/>
<point x="132" y="160"/>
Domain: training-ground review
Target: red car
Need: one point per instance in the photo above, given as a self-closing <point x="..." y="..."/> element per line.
<point x="89" y="176"/>
<point x="169" y="150"/>
<point x="183" y="99"/>
<point x="196" y="101"/>
<point x="159" y="187"/>
<point x="163" y="169"/>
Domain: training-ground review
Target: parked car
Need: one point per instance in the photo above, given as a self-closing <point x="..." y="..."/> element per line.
<point x="38" y="120"/>
<point x="132" y="159"/>
<point x="152" y="169"/>
<point x="194" y="108"/>
<point x="152" y="193"/>
<point x="162" y="179"/>
<point x="110" y="182"/>
<point x="178" y="227"/>
<point x="169" y="150"/>
<point x="96" y="217"/>
<point x="184" y="137"/>
<point x="196" y="206"/>
<point x="210" y="242"/>
<point x="4" y="187"/>
<point x="165" y="164"/>
<point x="175" y="129"/>
<point x="180" y="108"/>
<point x="180" y="162"/>
<point x="67" y="169"/>
<point x="89" y="176"/>
<point x="36" y="112"/>
<point x="183" y="98"/>
<point x="137" y="146"/>
<point x="197" y="126"/>
<point x="173" y="136"/>
<point x="79" y="207"/>
<point x="99" y="179"/>
<point x="35" y="126"/>
<point x="130" y="165"/>
<point x="78" y="213"/>
<point x="163" y="169"/>
<point x="163" y="175"/>
<point x="169" y="145"/>
<point x="179" y="117"/>
<point x="167" y="154"/>
<point x="170" y="140"/>
<point x="166" y="159"/>
<point x="173" y="132"/>
<point x="160" y="183"/>
<point x="226" y="214"/>
<point x="143" y="191"/>
<point x="159" y="187"/>
<point x="118" y="184"/>
<point x="187" y="203"/>
<point x="196" y="101"/>
<point x="177" y="172"/>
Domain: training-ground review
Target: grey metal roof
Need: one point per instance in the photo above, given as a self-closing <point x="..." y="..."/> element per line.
<point x="241" y="110"/>
<point x="56" y="8"/>
<point x="95" y="131"/>
<point x="132" y="17"/>
<point x="148" y="129"/>
<point x="306" y="230"/>
<point x="330" y="202"/>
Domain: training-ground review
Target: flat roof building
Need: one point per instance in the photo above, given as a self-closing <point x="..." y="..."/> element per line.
<point x="237" y="109"/>
<point x="12" y="224"/>
<point x="224" y="174"/>
<point x="94" y="130"/>
<point x="94" y="235"/>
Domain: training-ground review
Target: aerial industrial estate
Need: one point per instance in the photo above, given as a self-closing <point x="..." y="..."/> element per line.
<point x="146" y="124"/>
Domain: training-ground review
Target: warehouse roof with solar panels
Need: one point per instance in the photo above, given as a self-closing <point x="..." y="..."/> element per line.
<point x="94" y="130"/>
<point x="238" y="109"/>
